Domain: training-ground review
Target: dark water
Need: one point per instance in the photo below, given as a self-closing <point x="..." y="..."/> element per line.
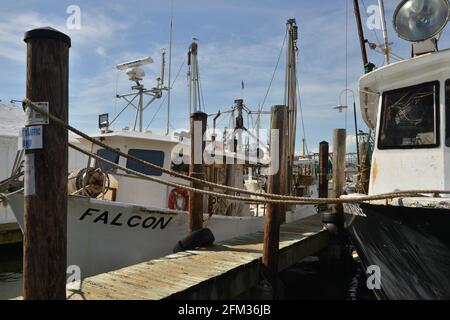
<point x="318" y="278"/>
<point x="10" y="271"/>
<point x="315" y="278"/>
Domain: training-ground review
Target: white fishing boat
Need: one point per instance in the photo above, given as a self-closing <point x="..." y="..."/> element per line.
<point x="407" y="104"/>
<point x="115" y="218"/>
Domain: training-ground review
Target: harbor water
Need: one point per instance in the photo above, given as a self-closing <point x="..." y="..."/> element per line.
<point x="10" y="271"/>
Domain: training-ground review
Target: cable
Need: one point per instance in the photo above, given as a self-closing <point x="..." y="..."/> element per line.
<point x="167" y="94"/>
<point x="273" y="74"/>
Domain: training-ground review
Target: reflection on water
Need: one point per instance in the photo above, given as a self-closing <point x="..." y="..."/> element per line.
<point x="10" y="271"/>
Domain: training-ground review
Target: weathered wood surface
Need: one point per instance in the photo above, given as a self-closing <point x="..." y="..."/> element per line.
<point x="10" y="233"/>
<point x="222" y="271"/>
<point x="45" y="178"/>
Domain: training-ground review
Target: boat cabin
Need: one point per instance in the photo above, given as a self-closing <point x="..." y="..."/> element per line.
<point x="150" y="147"/>
<point x="407" y="104"/>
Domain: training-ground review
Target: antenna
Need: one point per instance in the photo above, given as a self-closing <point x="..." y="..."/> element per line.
<point x="133" y="68"/>
<point x="134" y="63"/>
<point x="136" y="74"/>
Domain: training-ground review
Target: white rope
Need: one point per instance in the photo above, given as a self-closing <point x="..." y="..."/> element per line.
<point x="277" y="199"/>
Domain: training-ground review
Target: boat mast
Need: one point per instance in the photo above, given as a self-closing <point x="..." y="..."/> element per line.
<point x="385" y="34"/>
<point x="290" y="94"/>
<point x="194" y="88"/>
<point x="169" y="88"/>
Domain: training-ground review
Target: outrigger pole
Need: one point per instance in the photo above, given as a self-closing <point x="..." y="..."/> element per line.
<point x="385" y="34"/>
<point x="362" y="39"/>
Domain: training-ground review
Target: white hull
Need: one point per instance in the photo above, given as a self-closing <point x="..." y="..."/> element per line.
<point x="104" y="235"/>
<point x="6" y="215"/>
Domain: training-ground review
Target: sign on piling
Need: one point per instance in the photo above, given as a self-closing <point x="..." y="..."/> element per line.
<point x="197" y="169"/>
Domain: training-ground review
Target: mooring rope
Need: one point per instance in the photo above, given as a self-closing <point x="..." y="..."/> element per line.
<point x="308" y="201"/>
<point x="284" y="200"/>
<point x="60" y="122"/>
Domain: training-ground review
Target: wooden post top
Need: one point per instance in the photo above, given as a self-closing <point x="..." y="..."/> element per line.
<point x="47" y="33"/>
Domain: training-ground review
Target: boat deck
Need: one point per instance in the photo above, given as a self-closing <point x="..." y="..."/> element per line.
<point x="10" y="233"/>
<point x="222" y="271"/>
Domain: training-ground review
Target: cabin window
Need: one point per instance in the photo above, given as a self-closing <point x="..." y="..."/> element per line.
<point x="152" y="156"/>
<point x="447" y="113"/>
<point x="107" y="155"/>
<point x="410" y="118"/>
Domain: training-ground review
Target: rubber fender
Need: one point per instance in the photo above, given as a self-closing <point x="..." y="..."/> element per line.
<point x="200" y="238"/>
<point x="332" y="217"/>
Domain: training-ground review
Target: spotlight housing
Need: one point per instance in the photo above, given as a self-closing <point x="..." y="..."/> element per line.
<point x="420" y="20"/>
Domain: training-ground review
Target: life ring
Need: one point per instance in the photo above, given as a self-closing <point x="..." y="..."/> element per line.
<point x="179" y="199"/>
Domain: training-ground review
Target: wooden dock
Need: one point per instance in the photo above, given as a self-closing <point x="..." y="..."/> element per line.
<point x="222" y="271"/>
<point x="10" y="233"/>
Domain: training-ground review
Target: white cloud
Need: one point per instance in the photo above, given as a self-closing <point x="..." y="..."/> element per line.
<point x="101" y="51"/>
<point x="96" y="32"/>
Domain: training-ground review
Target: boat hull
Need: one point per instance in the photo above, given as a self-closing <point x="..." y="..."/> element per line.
<point x="103" y="235"/>
<point x="410" y="245"/>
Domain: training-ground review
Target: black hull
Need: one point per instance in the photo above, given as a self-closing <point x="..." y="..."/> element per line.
<point x="410" y="245"/>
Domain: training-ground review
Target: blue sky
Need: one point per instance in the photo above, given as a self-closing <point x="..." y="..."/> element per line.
<point x="238" y="41"/>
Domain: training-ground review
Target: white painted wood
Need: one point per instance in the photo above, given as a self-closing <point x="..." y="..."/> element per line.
<point x="412" y="169"/>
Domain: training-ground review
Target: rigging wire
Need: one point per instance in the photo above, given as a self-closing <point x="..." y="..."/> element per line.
<point x="117" y="89"/>
<point x="378" y="41"/>
<point x="273" y="76"/>
<point x="346" y="62"/>
<point x="200" y="88"/>
<point x="301" y="116"/>
<point x="170" y="67"/>
<point x="167" y="94"/>
<point x="373" y="30"/>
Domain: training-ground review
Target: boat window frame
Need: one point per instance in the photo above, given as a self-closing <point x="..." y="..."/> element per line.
<point x="437" y="122"/>
<point x="130" y="161"/>
<point x="101" y="164"/>
<point x="447" y="112"/>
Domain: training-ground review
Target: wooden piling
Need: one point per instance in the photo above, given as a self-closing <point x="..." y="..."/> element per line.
<point x="323" y="172"/>
<point x="212" y="174"/>
<point x="277" y="184"/>
<point x="197" y="169"/>
<point x="45" y="201"/>
<point x="339" y="151"/>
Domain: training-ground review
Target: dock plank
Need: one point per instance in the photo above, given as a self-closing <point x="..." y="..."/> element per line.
<point x="221" y="271"/>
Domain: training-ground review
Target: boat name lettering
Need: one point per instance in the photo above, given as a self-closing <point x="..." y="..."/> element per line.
<point x="106" y="217"/>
